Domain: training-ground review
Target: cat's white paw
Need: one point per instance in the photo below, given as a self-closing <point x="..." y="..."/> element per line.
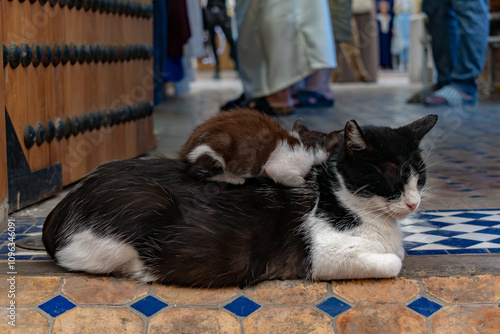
<point x="389" y="265"/>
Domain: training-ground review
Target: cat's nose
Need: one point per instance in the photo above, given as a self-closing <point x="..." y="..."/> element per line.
<point x="412" y="206"/>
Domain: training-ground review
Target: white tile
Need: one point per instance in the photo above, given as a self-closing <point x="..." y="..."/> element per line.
<point x="485" y="245"/>
<point x="433" y="247"/>
<point x="425" y="238"/>
<point x="463" y="228"/>
<point x="452" y="220"/>
<point x="417" y="229"/>
<point x="494" y="218"/>
<point x="443" y="213"/>
<point x="478" y="236"/>
<point x="40" y="253"/>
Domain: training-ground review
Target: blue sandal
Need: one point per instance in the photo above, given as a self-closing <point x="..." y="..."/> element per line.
<point x="310" y="99"/>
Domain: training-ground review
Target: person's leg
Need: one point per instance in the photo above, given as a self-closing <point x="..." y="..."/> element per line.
<point x="473" y="24"/>
<point x="441" y="27"/>
<point x="318" y="82"/>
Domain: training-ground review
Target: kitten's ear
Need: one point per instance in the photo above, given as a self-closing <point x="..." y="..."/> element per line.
<point x="300" y="127"/>
<point x="333" y="138"/>
<point x="421" y="126"/>
<point x="355" y="141"/>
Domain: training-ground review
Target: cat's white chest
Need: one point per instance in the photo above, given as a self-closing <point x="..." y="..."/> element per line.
<point x="363" y="252"/>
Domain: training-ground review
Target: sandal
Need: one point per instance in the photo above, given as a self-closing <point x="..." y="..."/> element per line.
<point x="422" y="95"/>
<point x="310" y="99"/>
<point x="231" y="104"/>
<point x="450" y="96"/>
<point x="263" y="106"/>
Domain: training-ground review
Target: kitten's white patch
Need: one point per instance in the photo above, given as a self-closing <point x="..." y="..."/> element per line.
<point x="88" y="252"/>
<point x="228" y="178"/>
<point x="204" y="149"/>
<point x="320" y="156"/>
<point x="353" y="254"/>
<point x="289" y="164"/>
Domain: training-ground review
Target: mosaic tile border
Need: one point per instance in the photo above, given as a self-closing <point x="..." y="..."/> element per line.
<point x="285" y="305"/>
<point x="438" y="232"/>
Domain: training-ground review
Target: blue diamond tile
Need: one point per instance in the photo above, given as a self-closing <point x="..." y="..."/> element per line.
<point x="471" y="215"/>
<point x="424" y="306"/>
<point x="443" y="233"/>
<point x="492" y="230"/>
<point x="427" y="216"/>
<point x="467" y="251"/>
<point x="57" y="306"/>
<point x="333" y="306"/>
<point x="437" y="224"/>
<point x="149" y="305"/>
<point x="494" y="250"/>
<point x="457" y="242"/>
<point x="483" y="223"/>
<point x="427" y="252"/>
<point x="242" y="306"/>
<point x="412" y="244"/>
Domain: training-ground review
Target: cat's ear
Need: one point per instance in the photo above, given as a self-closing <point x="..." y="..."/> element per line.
<point x="354" y="139"/>
<point x="332" y="139"/>
<point x="421" y="126"/>
<point x="300" y="127"/>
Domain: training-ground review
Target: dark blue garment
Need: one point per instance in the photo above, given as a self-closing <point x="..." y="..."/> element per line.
<point x="385" y="46"/>
<point x="464" y="24"/>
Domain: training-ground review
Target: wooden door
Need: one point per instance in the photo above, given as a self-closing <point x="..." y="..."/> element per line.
<point x="78" y="89"/>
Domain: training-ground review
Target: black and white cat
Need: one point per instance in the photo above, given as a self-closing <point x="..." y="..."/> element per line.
<point x="150" y="220"/>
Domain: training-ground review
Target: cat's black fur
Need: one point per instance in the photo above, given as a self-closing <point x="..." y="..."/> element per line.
<point x="198" y="233"/>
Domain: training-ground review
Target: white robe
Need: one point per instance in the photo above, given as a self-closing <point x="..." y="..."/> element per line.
<point x="281" y="42"/>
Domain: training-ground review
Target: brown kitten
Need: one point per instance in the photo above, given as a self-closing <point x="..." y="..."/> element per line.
<point x="244" y="143"/>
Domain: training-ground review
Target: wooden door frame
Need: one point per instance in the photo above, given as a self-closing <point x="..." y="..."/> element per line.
<point x="4" y="206"/>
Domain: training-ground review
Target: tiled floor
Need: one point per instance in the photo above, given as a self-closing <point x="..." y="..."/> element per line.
<point x="457" y="231"/>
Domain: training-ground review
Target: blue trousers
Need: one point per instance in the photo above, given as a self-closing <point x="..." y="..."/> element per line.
<point x="459" y="31"/>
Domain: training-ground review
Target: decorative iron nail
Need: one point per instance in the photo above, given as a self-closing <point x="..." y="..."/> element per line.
<point x="65" y="53"/>
<point x="14" y="55"/>
<point x="71" y="4"/>
<point x="112" y="54"/>
<point x="82" y="53"/>
<point x="56" y="54"/>
<point x="140" y="10"/>
<point x="42" y="2"/>
<point x="77" y="125"/>
<point x="63" y="3"/>
<point x="87" y="4"/>
<point x="114" y="7"/>
<point x="5" y="55"/>
<point x="46" y="55"/>
<point x="29" y="136"/>
<point x="32" y="1"/>
<point x="68" y="127"/>
<point x="92" y="121"/>
<point x="150" y="108"/>
<point x="127" y="8"/>
<point x="40" y="133"/>
<point x="90" y="53"/>
<point x="103" y="4"/>
<point x="85" y="123"/>
<point x="26" y="54"/>
<point x="114" y="117"/>
<point x="95" y="5"/>
<point x="108" y="119"/>
<point x="79" y="4"/>
<point x="53" y="3"/>
<point x="133" y="9"/>
<point x="73" y="53"/>
<point x="105" y="54"/>
<point x="100" y="120"/>
<point x="37" y="54"/>
<point x="51" y="131"/>
<point x="60" y="129"/>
